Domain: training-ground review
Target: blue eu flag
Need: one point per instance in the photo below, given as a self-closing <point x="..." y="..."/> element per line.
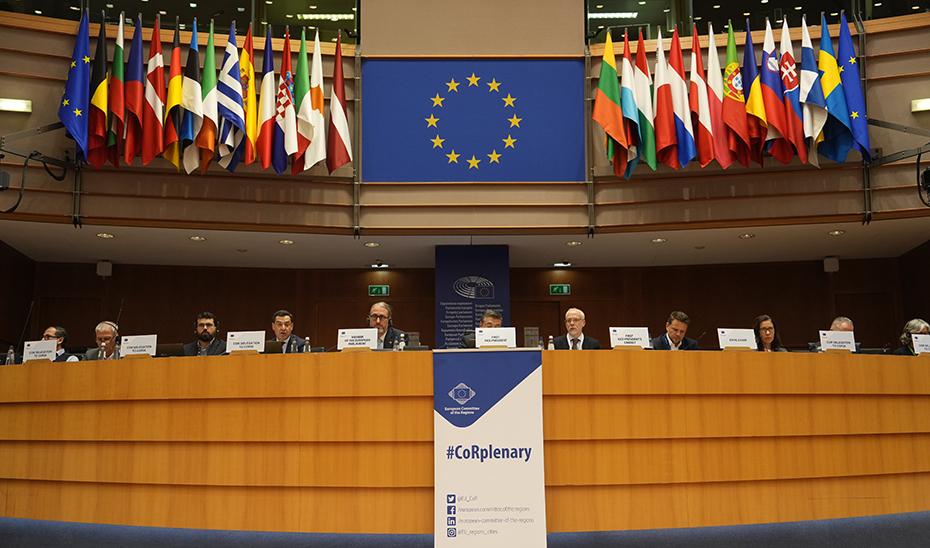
<point x="852" y="87"/>
<point x="472" y="120"/>
<point x="72" y="111"/>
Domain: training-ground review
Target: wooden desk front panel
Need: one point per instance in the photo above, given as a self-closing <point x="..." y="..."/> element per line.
<point x="342" y="442"/>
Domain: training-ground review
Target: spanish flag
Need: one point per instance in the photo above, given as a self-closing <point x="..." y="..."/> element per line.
<point x="249" y="102"/>
<point x="97" y="117"/>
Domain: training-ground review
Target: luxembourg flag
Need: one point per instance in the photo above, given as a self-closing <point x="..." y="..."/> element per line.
<point x="666" y="141"/>
<point x="700" y="104"/>
<point x="676" y="78"/>
<point x="715" y="99"/>
<point x="773" y="97"/>
<point x="794" y="127"/>
<point x="229" y="106"/>
<point x="266" y="105"/>
<point x="284" y="143"/>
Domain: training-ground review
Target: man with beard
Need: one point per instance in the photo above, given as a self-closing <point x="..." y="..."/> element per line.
<point x="207" y="343"/>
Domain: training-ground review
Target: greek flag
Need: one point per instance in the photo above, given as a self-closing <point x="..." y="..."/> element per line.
<point x="229" y="106"/>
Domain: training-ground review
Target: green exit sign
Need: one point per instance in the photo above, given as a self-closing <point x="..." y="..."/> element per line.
<point x="379" y="290"/>
<point x="560" y="289"/>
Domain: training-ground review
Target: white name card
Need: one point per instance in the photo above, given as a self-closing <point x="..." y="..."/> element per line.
<point x="245" y="340"/>
<point x="736" y="338"/>
<point x="137" y="344"/>
<point x="496" y="336"/>
<point x="40" y="350"/>
<point x="921" y="343"/>
<point x="366" y="337"/>
<point x="838" y="340"/>
<point x="629" y="336"/>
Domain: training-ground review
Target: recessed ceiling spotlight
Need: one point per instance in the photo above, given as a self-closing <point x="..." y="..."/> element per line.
<point x="746" y="13"/>
<point x="74" y="8"/>
<point x="380" y="265"/>
<point x="699" y="247"/>
<point x="877" y="4"/>
<point x="39" y="12"/>
<point x="562" y="264"/>
<point x="162" y="12"/>
<point x="834" y="14"/>
<point x="240" y="9"/>
<point x="312" y="6"/>
<point x="747" y="236"/>
<point x="105" y="235"/>
<point x="599" y="6"/>
<point x="765" y="1"/>
<point x="574" y="243"/>
<point x="659" y="240"/>
<point x="798" y="8"/>
<point x="197" y="238"/>
<point x="836" y="232"/>
<point x="110" y="6"/>
<point x="286" y="242"/>
<point x="915" y="7"/>
<point x="372" y="244"/>
<point x="716" y="6"/>
<point x="698" y="18"/>
<point x="290" y="15"/>
<point x="241" y="250"/>
<point x="193" y="4"/>
<point x="642" y="2"/>
<point x="666" y="10"/>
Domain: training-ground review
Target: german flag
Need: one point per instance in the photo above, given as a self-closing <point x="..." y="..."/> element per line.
<point x="174" y="111"/>
<point x="97" y="118"/>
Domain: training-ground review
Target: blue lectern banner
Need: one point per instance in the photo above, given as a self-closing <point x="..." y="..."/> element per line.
<point x="473" y="120"/>
<point x="469" y="280"/>
<point x="488" y="449"/>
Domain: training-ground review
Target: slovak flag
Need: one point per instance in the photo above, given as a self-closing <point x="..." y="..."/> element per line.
<point x="676" y="78"/>
<point x="284" y="143"/>
<point x="773" y="99"/>
<point x="790" y="77"/>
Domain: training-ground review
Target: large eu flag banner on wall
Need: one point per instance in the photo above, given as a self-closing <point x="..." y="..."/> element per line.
<point x="472" y="120"/>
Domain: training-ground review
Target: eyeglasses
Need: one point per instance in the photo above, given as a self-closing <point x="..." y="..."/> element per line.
<point x="766" y="329"/>
<point x="48" y="337"/>
<point x="377" y="317"/>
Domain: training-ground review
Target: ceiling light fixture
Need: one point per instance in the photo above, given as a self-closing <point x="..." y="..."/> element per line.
<point x="836" y="232"/>
<point x="562" y="264"/>
<point x="372" y="244"/>
<point x="105" y="235"/>
<point x="197" y="238"/>
<point x="380" y="265"/>
<point x="574" y="243"/>
<point x="614" y="15"/>
<point x="747" y="236"/>
<point x="39" y="12"/>
<point x="659" y="240"/>
<point x="325" y="16"/>
<point x="286" y="242"/>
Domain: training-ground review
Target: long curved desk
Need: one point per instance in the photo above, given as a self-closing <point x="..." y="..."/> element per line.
<point x="342" y="442"/>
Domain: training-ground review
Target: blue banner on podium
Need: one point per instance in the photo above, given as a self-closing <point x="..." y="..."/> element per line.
<point x="469" y="280"/>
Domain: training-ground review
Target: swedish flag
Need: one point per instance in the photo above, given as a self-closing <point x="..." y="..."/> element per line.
<point x="72" y="111"/>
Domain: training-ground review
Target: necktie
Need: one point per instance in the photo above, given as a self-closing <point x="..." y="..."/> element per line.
<point x="574" y="344"/>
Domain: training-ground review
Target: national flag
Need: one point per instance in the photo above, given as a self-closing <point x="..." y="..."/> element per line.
<point x="755" y="108"/>
<point x="192" y="103"/>
<point x="773" y="97"/>
<point x="206" y="137"/>
<point x="174" y="112"/>
<point x="734" y="104"/>
<point x="134" y="95"/>
<point x="715" y="101"/>
<point x="676" y="78"/>
<point x="72" y="111"/>
<point x="837" y="132"/>
<point x="229" y="106"/>
<point x="852" y="88"/>
<point x="153" y="140"/>
<point x="249" y="104"/>
<point x="794" y="125"/>
<point x="813" y="104"/>
<point x="266" y="107"/>
<point x="97" y="115"/>
<point x="642" y="82"/>
<point x="699" y="104"/>
<point x="116" y="102"/>
<point x="628" y="105"/>
<point x="284" y="142"/>
<point x="607" y="111"/>
<point x="308" y="99"/>
<point x="666" y="139"/>
<point x="339" y="143"/>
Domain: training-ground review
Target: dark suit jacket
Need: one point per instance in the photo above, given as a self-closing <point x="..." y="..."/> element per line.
<point x="217" y="348"/>
<point x="903" y="351"/>
<point x="588" y="343"/>
<point x="468" y="339"/>
<point x="94" y="353"/>
<point x="292" y="345"/>
<point x="392" y="336"/>
<point x="64" y="357"/>
<point x="661" y="343"/>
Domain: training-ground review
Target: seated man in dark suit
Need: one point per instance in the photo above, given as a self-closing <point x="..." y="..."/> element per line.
<point x="674" y="338"/>
<point x="575" y="338"/>
<point x="380" y="317"/>
<point x="106" y="334"/>
<point x="207" y="343"/>
<point x="59" y="334"/>
<point x="491" y="318"/>
<point x="282" y="325"/>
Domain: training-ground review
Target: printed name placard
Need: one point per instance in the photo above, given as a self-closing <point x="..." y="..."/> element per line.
<point x="137" y="344"/>
<point x="245" y="340"/>
<point x="366" y="337"/>
<point x="40" y="350"/>
<point x="496" y="336"/>
<point x="729" y="337"/>
<point x="838" y="340"/>
<point x="629" y="336"/>
<point x="921" y="343"/>
<point x="488" y="449"/>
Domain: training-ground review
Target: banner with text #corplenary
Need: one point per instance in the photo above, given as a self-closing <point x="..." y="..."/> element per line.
<point x="488" y="449"/>
<point x="431" y="120"/>
<point x="470" y="279"/>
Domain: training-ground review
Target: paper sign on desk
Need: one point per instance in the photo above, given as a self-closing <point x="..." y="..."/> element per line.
<point x="505" y="337"/>
<point x="736" y="338"/>
<point x="245" y="340"/>
<point x="921" y="343"/>
<point x="40" y="350"/>
<point x="629" y="336"/>
<point x="366" y="337"/>
<point x="838" y="340"/>
<point x="137" y="344"/>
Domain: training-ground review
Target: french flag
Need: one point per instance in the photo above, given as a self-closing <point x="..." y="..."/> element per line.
<point x="773" y="99"/>
<point x="666" y="140"/>
<point x="266" y="105"/>
<point x="676" y="78"/>
<point x="700" y="104"/>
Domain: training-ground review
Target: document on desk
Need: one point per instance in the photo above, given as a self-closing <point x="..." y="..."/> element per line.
<point x="488" y="449"/>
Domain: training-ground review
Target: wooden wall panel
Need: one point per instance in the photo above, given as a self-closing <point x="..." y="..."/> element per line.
<point x="16" y="290"/>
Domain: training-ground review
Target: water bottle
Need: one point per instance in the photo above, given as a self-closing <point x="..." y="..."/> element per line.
<point x="10" y="356"/>
<point x="551" y="344"/>
<point x="306" y="345"/>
